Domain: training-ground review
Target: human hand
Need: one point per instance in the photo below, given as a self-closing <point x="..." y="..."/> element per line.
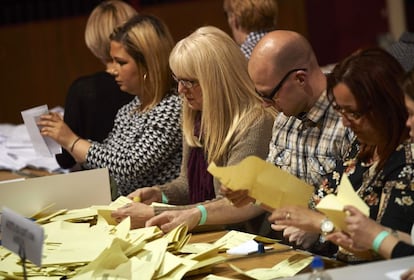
<point x="239" y="198"/>
<point x="53" y="126"/>
<point x="147" y="195"/>
<point x="297" y="216"/>
<point x="169" y="220"/>
<point x="360" y="228"/>
<point x="408" y="275"/>
<point x="299" y="237"/>
<point x="343" y="240"/>
<point x="139" y="213"/>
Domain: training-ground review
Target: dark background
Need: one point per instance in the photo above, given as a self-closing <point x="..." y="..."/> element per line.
<point x="42" y="47"/>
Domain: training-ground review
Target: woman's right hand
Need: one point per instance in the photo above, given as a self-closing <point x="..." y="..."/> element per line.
<point x="147" y="195"/>
<point x="408" y="275"/>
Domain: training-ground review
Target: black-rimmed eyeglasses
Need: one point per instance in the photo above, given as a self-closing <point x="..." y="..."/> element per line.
<point x="269" y="98"/>
<point x="186" y="83"/>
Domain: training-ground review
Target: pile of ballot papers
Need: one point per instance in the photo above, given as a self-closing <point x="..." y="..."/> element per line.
<point x="88" y="244"/>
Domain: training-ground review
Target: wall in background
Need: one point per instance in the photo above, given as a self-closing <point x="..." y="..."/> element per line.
<point x="39" y="59"/>
<point x="337" y="28"/>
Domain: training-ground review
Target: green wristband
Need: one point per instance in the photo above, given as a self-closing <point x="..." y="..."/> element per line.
<point x="203" y="212"/>
<point x="378" y="240"/>
<point x="164" y="198"/>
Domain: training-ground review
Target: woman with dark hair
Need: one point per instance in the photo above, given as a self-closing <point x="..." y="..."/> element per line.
<point x="365" y="89"/>
<point x="363" y="232"/>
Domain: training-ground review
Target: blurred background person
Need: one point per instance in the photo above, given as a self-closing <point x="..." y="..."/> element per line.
<point x="250" y="20"/>
<point x="403" y="50"/>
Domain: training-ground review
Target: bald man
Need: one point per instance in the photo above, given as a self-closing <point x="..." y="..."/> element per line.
<point x="308" y="135"/>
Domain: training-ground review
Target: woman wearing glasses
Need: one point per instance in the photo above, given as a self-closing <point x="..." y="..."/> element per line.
<point x="223" y="122"/>
<point x="144" y="146"/>
<point x="364" y="89"/>
<point x="363" y="233"/>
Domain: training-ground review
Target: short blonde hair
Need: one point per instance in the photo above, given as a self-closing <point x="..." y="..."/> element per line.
<point x="148" y="40"/>
<point x="101" y="23"/>
<point x="210" y="56"/>
<point x="253" y="15"/>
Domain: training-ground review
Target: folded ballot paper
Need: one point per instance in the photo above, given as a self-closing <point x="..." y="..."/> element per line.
<point x="332" y="205"/>
<point x="265" y="182"/>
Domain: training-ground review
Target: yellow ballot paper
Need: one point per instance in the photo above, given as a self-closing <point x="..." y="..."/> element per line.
<point x="332" y="205"/>
<point x="265" y="182"/>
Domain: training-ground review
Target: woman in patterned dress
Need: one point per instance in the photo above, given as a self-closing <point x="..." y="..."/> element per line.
<point x="144" y="146"/>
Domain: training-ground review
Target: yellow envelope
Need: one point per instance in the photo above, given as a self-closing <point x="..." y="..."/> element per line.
<point x="265" y="182"/>
<point x="332" y="205"/>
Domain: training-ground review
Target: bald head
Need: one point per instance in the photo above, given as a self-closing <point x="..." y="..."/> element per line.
<point x="271" y="63"/>
<point x="282" y="50"/>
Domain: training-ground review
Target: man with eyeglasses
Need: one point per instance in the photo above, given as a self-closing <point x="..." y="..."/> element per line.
<point x="308" y="134"/>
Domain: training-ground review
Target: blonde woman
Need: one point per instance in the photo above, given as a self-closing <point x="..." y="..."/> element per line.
<point x="144" y="147"/>
<point x="223" y="122"/>
<point x="93" y="101"/>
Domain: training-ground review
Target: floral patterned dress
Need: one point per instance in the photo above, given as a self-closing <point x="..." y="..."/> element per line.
<point x="389" y="193"/>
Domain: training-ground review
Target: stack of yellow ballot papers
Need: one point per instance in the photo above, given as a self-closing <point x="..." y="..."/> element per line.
<point x="82" y="244"/>
<point x="265" y="182"/>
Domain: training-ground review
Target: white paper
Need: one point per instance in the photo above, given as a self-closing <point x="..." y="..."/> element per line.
<point x="44" y="146"/>
<point x="22" y="236"/>
<point x="17" y="152"/>
<point x="395" y="275"/>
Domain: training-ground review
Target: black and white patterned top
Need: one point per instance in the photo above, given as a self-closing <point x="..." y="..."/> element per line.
<point x="403" y="50"/>
<point x="251" y="40"/>
<point x="143" y="149"/>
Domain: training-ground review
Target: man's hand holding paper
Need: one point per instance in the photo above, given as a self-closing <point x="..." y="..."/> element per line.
<point x="266" y="183"/>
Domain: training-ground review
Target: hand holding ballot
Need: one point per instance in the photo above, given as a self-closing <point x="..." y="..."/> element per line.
<point x="266" y="183"/>
<point x="355" y="235"/>
<point x="254" y="179"/>
<point x="333" y="206"/>
<point x="53" y="126"/>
